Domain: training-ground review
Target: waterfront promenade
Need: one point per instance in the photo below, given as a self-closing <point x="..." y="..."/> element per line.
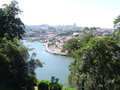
<point x="53" y="50"/>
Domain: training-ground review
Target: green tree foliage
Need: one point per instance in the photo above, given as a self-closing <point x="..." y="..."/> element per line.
<point x="33" y="64"/>
<point x="89" y="30"/>
<point x="10" y="24"/>
<point x="117" y="28"/>
<point x="47" y="85"/>
<point x="92" y="28"/>
<point x="43" y="85"/>
<point x="74" y="44"/>
<point x="97" y="65"/>
<point x="71" y="45"/>
<point x="67" y="33"/>
<point x="86" y="28"/>
<point x="17" y="68"/>
<point x="117" y="20"/>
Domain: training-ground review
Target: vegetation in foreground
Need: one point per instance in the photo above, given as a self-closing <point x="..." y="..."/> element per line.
<point x="17" y="67"/>
<point x="96" y="65"/>
<point x="50" y="85"/>
<point x="97" y="61"/>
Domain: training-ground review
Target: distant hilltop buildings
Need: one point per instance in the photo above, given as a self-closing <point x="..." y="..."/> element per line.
<point x="45" y="31"/>
<point x="59" y="27"/>
<point x="55" y="37"/>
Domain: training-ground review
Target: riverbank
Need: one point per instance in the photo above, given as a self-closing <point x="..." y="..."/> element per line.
<point x="53" y="50"/>
<point x="53" y="63"/>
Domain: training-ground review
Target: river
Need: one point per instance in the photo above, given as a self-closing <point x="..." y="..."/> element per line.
<point x="55" y="65"/>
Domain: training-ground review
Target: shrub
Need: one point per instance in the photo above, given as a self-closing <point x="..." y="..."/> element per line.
<point x="47" y="85"/>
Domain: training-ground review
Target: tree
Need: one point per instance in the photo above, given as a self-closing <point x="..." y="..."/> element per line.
<point x="17" y="68"/>
<point x="117" y="20"/>
<point x="86" y="28"/>
<point x="97" y="65"/>
<point x="33" y="64"/>
<point x="92" y="28"/>
<point x="10" y="24"/>
<point x="70" y="46"/>
<point x="116" y="33"/>
<point x="49" y="85"/>
<point x="75" y="43"/>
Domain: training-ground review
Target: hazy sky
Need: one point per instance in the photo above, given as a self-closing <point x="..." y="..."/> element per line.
<point x="100" y="13"/>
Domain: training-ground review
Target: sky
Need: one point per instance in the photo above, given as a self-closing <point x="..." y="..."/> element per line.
<point x="86" y="13"/>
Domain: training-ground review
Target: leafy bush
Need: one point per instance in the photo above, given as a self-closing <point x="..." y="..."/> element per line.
<point x="47" y="85"/>
<point x="43" y="85"/>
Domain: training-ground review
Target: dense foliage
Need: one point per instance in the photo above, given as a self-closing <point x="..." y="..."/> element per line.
<point x="10" y="24"/>
<point x="71" y="45"/>
<point x="117" y="28"/>
<point x="17" y="68"/>
<point x="75" y="43"/>
<point x="96" y="65"/>
<point x="97" y="61"/>
<point x="49" y="85"/>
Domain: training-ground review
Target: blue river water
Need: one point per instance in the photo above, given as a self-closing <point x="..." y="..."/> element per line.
<point x="55" y="65"/>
